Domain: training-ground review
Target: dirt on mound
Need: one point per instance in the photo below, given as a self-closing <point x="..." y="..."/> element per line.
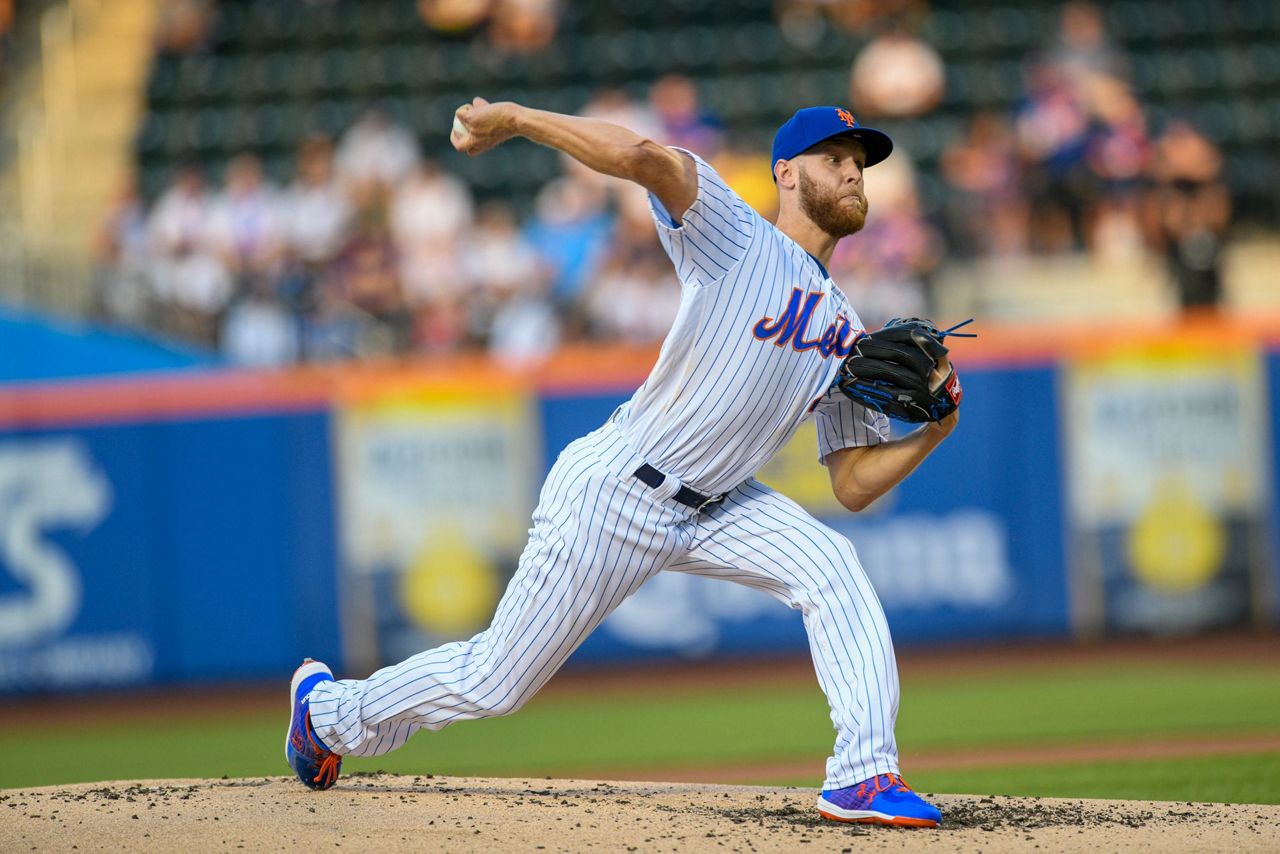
<point x="386" y="812"/>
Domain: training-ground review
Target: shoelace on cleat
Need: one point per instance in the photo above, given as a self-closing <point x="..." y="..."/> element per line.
<point x="893" y="781"/>
<point x="328" y="774"/>
<point x="328" y="771"/>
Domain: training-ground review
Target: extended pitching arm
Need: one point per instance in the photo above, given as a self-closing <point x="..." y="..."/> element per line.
<point x="604" y="147"/>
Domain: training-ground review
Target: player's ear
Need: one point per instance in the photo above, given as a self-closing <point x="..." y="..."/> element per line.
<point x="784" y="173"/>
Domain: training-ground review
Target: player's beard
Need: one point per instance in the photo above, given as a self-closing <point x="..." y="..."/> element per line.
<point x="828" y="211"/>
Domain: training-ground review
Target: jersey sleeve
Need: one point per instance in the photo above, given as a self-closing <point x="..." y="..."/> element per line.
<point x="844" y="423"/>
<point x="714" y="233"/>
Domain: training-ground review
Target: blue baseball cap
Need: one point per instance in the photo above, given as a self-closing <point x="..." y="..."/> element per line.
<point x="812" y="125"/>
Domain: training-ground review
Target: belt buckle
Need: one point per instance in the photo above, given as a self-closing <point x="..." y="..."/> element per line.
<point x="711" y="502"/>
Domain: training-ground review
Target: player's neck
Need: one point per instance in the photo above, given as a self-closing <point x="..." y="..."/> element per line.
<point x="808" y="235"/>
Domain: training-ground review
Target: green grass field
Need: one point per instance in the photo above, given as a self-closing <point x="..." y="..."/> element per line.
<point x="712" y="728"/>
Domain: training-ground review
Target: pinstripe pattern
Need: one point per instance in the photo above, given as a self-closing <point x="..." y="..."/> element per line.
<point x="598" y="534"/>
<point x="842" y="423"/>
<point x="764" y="540"/>
<point x="753" y="353"/>
<point x="720" y="402"/>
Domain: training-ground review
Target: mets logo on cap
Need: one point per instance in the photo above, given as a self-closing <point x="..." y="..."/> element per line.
<point x="812" y="125"/>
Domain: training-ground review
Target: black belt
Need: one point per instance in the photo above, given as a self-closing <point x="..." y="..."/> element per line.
<point x="686" y="496"/>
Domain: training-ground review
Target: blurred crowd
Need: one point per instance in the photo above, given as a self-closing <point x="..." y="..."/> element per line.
<point x="373" y="249"/>
<point x="1078" y="166"/>
<point x="510" y="26"/>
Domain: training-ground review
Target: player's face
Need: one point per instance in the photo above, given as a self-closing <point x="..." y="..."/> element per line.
<point x="831" y="186"/>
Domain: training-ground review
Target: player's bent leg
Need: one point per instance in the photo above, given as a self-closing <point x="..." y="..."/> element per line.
<point x="597" y="537"/>
<point x="765" y="540"/>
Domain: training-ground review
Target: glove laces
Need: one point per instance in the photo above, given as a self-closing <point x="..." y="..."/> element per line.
<point x="952" y="331"/>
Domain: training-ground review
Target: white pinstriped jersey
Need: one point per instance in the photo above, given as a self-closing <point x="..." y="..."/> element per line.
<point x="755" y="346"/>
<point x="753" y="352"/>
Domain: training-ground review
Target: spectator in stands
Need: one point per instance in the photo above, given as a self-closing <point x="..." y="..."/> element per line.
<point x="246" y="222"/>
<point x="508" y="308"/>
<point x="318" y="217"/>
<point x="258" y="332"/>
<point x="365" y="276"/>
<point x="570" y="231"/>
<point x="1187" y="212"/>
<point x="190" y="283"/>
<point x="179" y="219"/>
<point x="1117" y="158"/>
<point x="886" y="271"/>
<point x="443" y="326"/>
<point x="454" y="18"/>
<point x="635" y="296"/>
<point x="375" y="155"/>
<point x="334" y="329"/>
<point x="318" y="212"/>
<point x="865" y="17"/>
<point x="1082" y="49"/>
<point x="801" y="21"/>
<point x="616" y="107"/>
<point x="985" y="211"/>
<point x="6" y="27"/>
<point x="897" y="74"/>
<point x="1053" y="135"/>
<point x="121" y="259"/>
<point x="684" y="121"/>
<point x="430" y="211"/>
<point x="496" y="258"/>
<point x="523" y="26"/>
<point x="1083" y="137"/>
<point x="526" y="326"/>
<point x="183" y="26"/>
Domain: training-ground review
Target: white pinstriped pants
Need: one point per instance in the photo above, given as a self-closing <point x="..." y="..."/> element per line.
<point x="598" y="534"/>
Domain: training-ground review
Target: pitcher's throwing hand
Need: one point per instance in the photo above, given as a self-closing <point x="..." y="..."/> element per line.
<point x="479" y="126"/>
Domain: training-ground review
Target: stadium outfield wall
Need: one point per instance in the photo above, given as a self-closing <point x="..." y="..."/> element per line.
<point x="212" y="526"/>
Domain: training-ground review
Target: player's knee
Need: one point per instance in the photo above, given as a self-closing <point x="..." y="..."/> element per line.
<point x="833" y="581"/>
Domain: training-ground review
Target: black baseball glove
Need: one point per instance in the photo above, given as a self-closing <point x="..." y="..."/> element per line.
<point x="891" y="370"/>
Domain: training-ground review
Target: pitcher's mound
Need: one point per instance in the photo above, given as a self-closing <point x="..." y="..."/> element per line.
<point x="385" y="812"/>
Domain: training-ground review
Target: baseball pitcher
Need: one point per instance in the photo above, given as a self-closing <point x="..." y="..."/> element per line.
<point x="763" y="340"/>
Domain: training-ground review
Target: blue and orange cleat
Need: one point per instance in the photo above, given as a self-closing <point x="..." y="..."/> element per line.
<point x="884" y="799"/>
<point x="316" y="765"/>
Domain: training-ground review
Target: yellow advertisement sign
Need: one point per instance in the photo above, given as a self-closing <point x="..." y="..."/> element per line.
<point x="1168" y="477"/>
<point x="436" y="488"/>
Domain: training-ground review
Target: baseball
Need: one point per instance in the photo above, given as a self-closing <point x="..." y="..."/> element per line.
<point x="460" y="131"/>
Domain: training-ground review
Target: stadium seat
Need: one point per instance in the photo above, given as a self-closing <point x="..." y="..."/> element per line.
<point x="945" y="30"/>
<point x="1011" y="28"/>
<point x="690" y="49"/>
<point x="276" y="24"/>
<point x="162" y="82"/>
<point x="290" y="67"/>
<point x="205" y="78"/>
